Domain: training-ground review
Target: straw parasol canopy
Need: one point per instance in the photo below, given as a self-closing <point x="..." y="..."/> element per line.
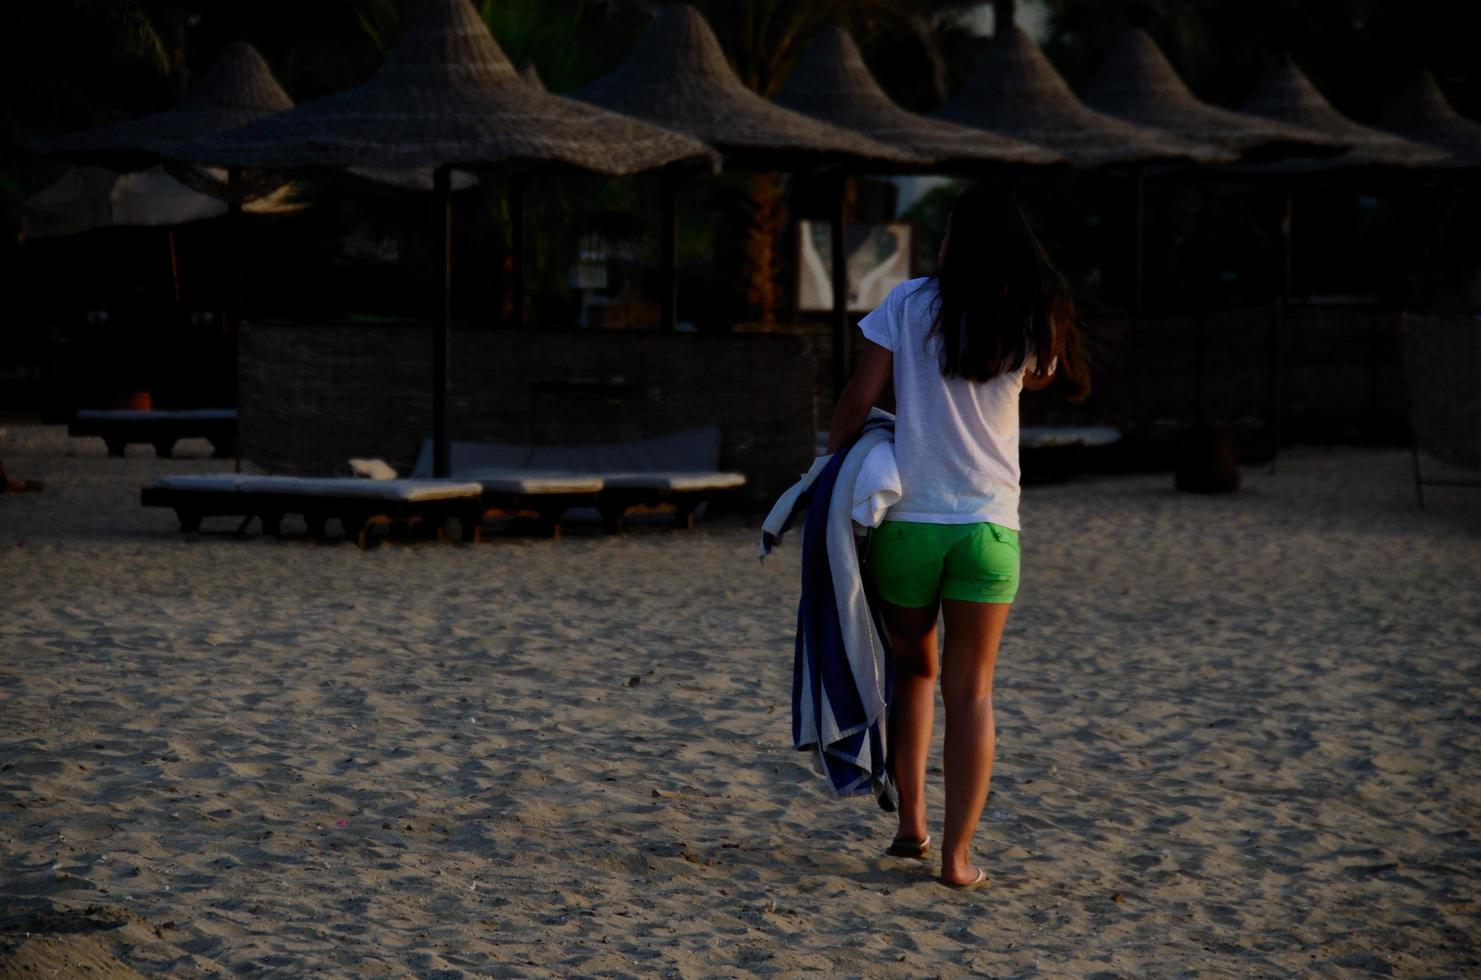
<point x="1137" y="83"/>
<point x="1421" y="113"/>
<point x="238" y="88"/>
<point x="1285" y="94"/>
<point x="677" y="76"/>
<point x="832" y="83"/>
<point x="448" y="96"/>
<point x="1015" y="92"/>
<point x="531" y="77"/>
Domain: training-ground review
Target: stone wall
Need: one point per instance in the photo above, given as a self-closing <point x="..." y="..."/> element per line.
<point x="314" y="395"/>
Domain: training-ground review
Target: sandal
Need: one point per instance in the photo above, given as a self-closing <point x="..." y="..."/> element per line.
<point x="905" y="848"/>
<point x="978" y="882"/>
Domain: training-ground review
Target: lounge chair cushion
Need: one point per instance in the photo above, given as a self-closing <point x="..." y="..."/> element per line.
<point x="204" y="482"/>
<point x="358" y="488"/>
<point x="1047" y="436"/>
<point x="691" y="451"/>
<point x="188" y="415"/>
<point x="680" y="481"/>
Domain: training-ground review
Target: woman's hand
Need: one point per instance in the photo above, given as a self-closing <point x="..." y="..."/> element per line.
<point x="862" y="393"/>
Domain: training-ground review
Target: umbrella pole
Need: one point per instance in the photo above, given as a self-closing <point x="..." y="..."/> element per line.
<point x="1287" y="249"/>
<point x="1139" y="245"/>
<point x="442" y="328"/>
<point x="234" y="294"/>
<point x="174" y="266"/>
<point x="668" y="302"/>
<point x="839" y="270"/>
<point x="518" y="184"/>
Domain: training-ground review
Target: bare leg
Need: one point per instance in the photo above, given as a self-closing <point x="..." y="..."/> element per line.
<point x="912" y="709"/>
<point x="973" y="632"/>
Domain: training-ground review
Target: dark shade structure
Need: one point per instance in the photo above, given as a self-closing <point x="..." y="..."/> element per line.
<point x="1286" y="95"/>
<point x="1015" y="92"/>
<point x="447" y="97"/>
<point x="1421" y="113"/>
<point x="238" y="88"/>
<point x="677" y="77"/>
<point x="1137" y="83"/>
<point x="832" y="83"/>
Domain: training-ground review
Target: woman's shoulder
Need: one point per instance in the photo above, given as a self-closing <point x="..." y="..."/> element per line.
<point x="910" y="292"/>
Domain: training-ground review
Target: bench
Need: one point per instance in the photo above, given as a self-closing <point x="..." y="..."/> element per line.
<point x="358" y="504"/>
<point x="119" y="429"/>
<point x="677" y="471"/>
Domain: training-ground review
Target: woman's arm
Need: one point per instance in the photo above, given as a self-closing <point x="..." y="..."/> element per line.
<point x="861" y="394"/>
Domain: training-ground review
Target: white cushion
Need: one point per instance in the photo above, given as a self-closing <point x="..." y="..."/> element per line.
<point x="676" y="480"/>
<point x="204" y="482"/>
<point x="1046" y="436"/>
<point x="352" y="486"/>
<point x="495" y="480"/>
<point x="189" y="415"/>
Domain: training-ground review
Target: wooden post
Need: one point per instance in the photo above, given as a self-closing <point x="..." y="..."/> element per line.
<point x="518" y="184"/>
<point x="442" y="326"/>
<point x="839" y="270"/>
<point x="668" y="288"/>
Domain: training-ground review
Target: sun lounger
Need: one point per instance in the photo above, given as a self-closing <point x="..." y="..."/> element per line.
<point x="162" y="430"/>
<point x="676" y="470"/>
<point x="1055" y="436"/>
<point x="358" y="504"/>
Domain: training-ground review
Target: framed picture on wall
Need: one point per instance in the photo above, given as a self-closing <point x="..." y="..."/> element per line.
<point x="878" y="259"/>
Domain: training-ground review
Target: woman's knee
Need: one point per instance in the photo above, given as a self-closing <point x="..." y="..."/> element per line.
<point x="921" y="663"/>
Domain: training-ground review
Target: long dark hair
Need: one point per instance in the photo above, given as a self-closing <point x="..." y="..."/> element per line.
<point x="999" y="299"/>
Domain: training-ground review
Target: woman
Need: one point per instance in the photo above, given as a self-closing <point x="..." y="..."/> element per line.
<point x="958" y="346"/>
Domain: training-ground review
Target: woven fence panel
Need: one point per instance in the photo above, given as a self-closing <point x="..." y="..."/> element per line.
<point x="314" y="395"/>
<point x="1442" y="364"/>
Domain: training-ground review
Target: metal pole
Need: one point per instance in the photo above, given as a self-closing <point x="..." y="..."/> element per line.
<point x="668" y="288"/>
<point x="1140" y="232"/>
<point x="442" y="326"/>
<point x="1277" y="330"/>
<point x="234" y="297"/>
<point x="174" y="267"/>
<point x="1287" y="262"/>
<point x="839" y="270"/>
<point x="518" y="184"/>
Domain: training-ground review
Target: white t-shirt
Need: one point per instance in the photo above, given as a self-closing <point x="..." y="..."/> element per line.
<point x="956" y="441"/>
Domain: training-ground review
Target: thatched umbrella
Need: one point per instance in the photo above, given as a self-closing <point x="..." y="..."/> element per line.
<point x="531" y="76"/>
<point x="832" y="83"/>
<point x="1286" y="95"/>
<point x="447" y="97"/>
<point x="1421" y="113"/>
<point x="677" y="76"/>
<point x="238" y="88"/>
<point x="1015" y="92"/>
<point x="1138" y="84"/>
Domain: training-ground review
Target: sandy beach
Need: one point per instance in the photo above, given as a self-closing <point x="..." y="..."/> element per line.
<point x="1238" y="737"/>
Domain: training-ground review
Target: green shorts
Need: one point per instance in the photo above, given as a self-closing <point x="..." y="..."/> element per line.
<point x="915" y="564"/>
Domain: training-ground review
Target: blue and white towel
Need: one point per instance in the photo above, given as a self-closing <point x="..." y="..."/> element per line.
<point x="842" y="670"/>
